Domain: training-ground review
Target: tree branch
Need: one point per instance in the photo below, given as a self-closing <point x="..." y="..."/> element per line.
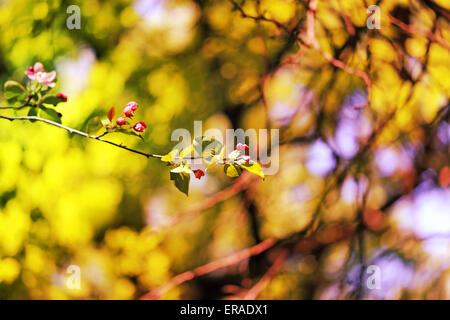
<point x="81" y="133"/>
<point x="210" y="267"/>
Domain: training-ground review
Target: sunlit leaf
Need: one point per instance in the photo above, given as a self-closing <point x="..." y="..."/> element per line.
<point x="253" y="168"/>
<point x="232" y="170"/>
<point x="170" y="156"/>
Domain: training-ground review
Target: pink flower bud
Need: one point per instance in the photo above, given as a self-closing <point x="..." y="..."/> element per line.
<point x="128" y="112"/>
<point x="246" y="158"/>
<point x="241" y="147"/>
<point x="132" y="105"/>
<point x="199" y="173"/>
<point x="121" y="121"/>
<point x="61" y="96"/>
<point x="140" y="126"/>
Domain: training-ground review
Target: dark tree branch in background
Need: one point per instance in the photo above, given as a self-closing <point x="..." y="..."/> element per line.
<point x="414" y="30"/>
<point x="210" y="267"/>
<point x="254" y="292"/>
<point x="259" y="17"/>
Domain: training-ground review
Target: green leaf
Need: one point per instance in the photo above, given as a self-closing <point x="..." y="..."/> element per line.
<point x="13" y="87"/>
<point x="181" y="181"/>
<point x="181" y="175"/>
<point x="49" y="99"/>
<point x="15" y="93"/>
<point x="50" y="114"/>
<point x="94" y="124"/>
<point x="32" y="112"/>
<point x="253" y="167"/>
<point x="232" y="170"/>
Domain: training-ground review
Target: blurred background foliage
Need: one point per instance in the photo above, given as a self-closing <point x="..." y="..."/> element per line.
<point x="362" y="180"/>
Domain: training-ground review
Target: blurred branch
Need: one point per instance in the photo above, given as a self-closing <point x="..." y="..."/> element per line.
<point x="27" y="102"/>
<point x="311" y="41"/>
<point x="261" y="284"/>
<point x="259" y="17"/>
<point x="414" y="30"/>
<point x="210" y="267"/>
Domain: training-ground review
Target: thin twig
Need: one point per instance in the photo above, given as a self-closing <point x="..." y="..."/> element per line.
<point x="414" y="30"/>
<point x="81" y="133"/>
<point x="21" y="106"/>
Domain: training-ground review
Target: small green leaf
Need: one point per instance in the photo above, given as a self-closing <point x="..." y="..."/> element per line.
<point x="253" y="167"/>
<point x="50" y="114"/>
<point x="94" y="124"/>
<point x="181" y="181"/>
<point x="15" y="93"/>
<point x="32" y="113"/>
<point x="49" y="99"/>
<point x="232" y="170"/>
<point x="12" y="86"/>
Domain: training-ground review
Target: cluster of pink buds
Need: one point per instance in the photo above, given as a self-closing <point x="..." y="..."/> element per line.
<point x="242" y="147"/>
<point x="128" y="112"/>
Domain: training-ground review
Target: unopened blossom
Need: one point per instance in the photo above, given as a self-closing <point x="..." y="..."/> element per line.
<point x="140" y="126"/>
<point x="121" y="121"/>
<point x="38" y="73"/>
<point x="241" y="147"/>
<point x="199" y="173"/>
<point x="61" y="96"/>
<point x="130" y="108"/>
<point x="133" y="105"/>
